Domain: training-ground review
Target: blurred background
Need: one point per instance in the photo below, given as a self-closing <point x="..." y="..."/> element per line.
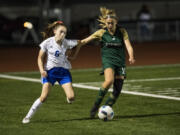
<point x="147" y="21"/>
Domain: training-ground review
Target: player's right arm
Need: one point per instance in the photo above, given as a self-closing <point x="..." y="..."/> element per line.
<point x="41" y="59"/>
<point x="97" y="35"/>
<point x="86" y="40"/>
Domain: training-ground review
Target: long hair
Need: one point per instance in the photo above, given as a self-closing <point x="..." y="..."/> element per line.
<point x="49" y="30"/>
<point x="106" y="13"/>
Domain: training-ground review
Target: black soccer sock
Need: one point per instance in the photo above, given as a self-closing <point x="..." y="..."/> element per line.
<point x="117" y="87"/>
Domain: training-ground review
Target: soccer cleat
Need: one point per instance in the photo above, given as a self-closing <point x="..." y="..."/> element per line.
<point x="93" y="111"/>
<point x="26" y="120"/>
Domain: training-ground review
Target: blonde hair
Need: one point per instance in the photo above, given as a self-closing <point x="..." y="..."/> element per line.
<point x="49" y="30"/>
<point x="106" y="13"/>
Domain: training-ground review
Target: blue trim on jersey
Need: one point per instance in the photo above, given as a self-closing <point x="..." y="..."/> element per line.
<point x="59" y="74"/>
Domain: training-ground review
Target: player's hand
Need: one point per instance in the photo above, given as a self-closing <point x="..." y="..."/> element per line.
<point x="131" y="60"/>
<point x="44" y="74"/>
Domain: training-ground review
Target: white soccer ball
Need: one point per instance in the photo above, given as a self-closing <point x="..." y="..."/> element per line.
<point x="105" y="113"/>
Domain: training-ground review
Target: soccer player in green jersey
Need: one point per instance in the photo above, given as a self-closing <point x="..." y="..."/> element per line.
<point x="114" y="42"/>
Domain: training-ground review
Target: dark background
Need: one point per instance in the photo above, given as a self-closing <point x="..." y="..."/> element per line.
<point x="19" y="45"/>
<point x="80" y="16"/>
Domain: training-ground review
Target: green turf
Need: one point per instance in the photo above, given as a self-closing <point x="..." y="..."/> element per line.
<point x="134" y="115"/>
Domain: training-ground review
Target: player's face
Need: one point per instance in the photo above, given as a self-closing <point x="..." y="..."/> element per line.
<point x="60" y="33"/>
<point x="111" y="23"/>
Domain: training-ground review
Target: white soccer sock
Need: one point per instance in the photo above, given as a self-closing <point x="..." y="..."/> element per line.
<point x="34" y="108"/>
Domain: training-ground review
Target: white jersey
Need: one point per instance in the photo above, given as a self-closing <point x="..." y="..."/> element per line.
<point x="56" y="53"/>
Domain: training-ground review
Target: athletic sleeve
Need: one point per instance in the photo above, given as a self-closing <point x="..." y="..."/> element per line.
<point x="125" y="34"/>
<point x="43" y="46"/>
<point x="98" y="34"/>
<point x="70" y="43"/>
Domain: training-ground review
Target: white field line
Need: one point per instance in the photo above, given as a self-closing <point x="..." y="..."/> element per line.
<point x="91" y="87"/>
<point x="20" y="78"/>
<point x="129" y="92"/>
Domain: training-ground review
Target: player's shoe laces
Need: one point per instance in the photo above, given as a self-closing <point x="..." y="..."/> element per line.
<point x="93" y="111"/>
<point x="26" y="120"/>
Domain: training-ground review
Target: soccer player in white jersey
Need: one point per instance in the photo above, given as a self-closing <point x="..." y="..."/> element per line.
<point x="56" y="66"/>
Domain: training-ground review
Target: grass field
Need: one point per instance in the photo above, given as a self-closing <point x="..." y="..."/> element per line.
<point x="151" y="107"/>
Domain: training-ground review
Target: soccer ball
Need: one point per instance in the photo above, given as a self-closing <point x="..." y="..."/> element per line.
<point x="105" y="113"/>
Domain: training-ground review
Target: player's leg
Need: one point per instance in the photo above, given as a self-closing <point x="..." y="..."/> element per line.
<point x="45" y="91"/>
<point x="66" y="82"/>
<point x="68" y="89"/>
<point x="38" y="102"/>
<point x="120" y="74"/>
<point x="117" y="87"/>
<point x="109" y="78"/>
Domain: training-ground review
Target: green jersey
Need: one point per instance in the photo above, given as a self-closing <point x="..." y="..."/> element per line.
<point x="112" y="47"/>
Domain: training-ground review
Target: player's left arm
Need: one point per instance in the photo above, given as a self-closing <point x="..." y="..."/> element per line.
<point x="130" y="51"/>
<point x="128" y="46"/>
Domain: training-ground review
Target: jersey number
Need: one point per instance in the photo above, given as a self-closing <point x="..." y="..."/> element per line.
<point x="123" y="70"/>
<point x="57" y="53"/>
